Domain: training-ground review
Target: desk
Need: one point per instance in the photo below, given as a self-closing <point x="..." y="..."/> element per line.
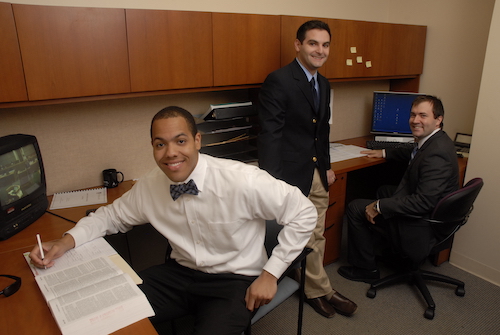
<point x="26" y="312"/>
<point x="348" y="173"/>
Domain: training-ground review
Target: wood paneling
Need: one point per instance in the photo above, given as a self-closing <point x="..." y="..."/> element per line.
<point x="169" y="49"/>
<point x="12" y="84"/>
<point x="246" y="48"/>
<point x="72" y="52"/>
<point x="381" y="49"/>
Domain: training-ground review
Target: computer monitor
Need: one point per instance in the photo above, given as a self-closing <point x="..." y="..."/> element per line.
<point x="391" y="113"/>
<point x="23" y="194"/>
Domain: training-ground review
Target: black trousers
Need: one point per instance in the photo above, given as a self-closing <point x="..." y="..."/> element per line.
<point x="412" y="238"/>
<point x="217" y="301"/>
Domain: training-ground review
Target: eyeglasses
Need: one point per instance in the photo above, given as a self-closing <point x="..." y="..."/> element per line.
<point x="12" y="288"/>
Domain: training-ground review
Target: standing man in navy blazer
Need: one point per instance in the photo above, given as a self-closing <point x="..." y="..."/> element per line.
<point x="294" y="112"/>
<point x="432" y="173"/>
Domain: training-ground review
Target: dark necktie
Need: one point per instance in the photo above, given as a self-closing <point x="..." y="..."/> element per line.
<point x="314" y="93"/>
<point x="414" y="152"/>
<point x="189" y="188"/>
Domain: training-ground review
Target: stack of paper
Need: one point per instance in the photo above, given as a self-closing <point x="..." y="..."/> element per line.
<point x="341" y="152"/>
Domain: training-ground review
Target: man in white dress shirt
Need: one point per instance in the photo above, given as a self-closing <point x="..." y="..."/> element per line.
<point x="218" y="269"/>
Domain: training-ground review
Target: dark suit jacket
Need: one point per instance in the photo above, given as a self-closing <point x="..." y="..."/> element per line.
<point x="430" y="176"/>
<point x="294" y="138"/>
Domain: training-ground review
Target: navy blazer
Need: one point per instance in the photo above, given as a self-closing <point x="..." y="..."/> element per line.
<point x="294" y="137"/>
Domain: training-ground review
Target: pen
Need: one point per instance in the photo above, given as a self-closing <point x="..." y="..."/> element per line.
<point x="39" y="240"/>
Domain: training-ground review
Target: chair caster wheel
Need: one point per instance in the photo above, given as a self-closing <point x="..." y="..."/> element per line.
<point x="460" y="291"/>
<point x="372" y="292"/>
<point x="429" y="313"/>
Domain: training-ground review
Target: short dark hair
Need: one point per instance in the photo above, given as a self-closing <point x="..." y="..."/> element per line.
<point x="312" y="24"/>
<point x="437" y="105"/>
<point x="175" y="111"/>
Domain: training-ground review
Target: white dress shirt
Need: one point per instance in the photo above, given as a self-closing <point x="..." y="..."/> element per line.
<point x="221" y="229"/>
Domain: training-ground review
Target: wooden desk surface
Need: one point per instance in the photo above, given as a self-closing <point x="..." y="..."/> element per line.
<point x="26" y="311"/>
<point x="355" y="163"/>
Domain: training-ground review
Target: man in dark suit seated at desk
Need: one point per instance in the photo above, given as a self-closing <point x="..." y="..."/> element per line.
<point x="218" y="269"/>
<point x="432" y="173"/>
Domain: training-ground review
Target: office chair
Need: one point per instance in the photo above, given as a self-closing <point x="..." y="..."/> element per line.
<point x="451" y="213"/>
<point x="286" y="285"/>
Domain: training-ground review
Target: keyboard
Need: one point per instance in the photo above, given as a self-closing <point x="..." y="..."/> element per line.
<point x="377" y="145"/>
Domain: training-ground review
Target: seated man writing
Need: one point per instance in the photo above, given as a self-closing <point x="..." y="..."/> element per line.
<point x="432" y="173"/>
<point x="213" y="212"/>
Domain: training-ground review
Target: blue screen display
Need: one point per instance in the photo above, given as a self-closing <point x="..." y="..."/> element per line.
<point x="391" y="112"/>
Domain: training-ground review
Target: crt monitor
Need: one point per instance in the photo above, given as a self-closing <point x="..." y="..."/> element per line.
<point x="23" y="194"/>
<point x="391" y="113"/>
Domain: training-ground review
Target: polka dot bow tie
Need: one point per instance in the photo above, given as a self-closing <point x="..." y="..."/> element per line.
<point x="189" y="188"/>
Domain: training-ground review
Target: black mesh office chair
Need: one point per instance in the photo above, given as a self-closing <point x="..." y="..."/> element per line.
<point x="286" y="285"/>
<point x="451" y="213"/>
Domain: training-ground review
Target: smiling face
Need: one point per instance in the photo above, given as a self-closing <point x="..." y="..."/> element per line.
<point x="313" y="51"/>
<point x="422" y="121"/>
<point x="175" y="149"/>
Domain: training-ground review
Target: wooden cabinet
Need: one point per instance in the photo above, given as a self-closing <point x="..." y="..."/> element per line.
<point x="246" y="48"/>
<point x="72" y="52"/>
<point x="363" y="49"/>
<point x="12" y="84"/>
<point x="334" y="217"/>
<point x="169" y="49"/>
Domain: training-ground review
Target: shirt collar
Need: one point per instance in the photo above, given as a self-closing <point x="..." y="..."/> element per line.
<point x="308" y="74"/>
<point x="422" y="141"/>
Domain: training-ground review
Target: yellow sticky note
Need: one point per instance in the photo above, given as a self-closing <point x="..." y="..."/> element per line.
<point x="369" y="63"/>
<point x="348" y="62"/>
<point x="353" y="50"/>
<point x="359" y="59"/>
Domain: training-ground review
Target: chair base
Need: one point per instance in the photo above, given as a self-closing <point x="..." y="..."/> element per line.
<point x="417" y="278"/>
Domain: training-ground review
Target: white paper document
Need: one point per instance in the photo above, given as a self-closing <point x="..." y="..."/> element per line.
<point x="79" y="198"/>
<point x="341" y="152"/>
<point x="88" y="293"/>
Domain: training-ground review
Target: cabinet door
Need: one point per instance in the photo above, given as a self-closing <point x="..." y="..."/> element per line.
<point x="72" y="52"/>
<point x="12" y="84"/>
<point x="246" y="48"/>
<point x="169" y="49"/>
<point x="363" y="49"/>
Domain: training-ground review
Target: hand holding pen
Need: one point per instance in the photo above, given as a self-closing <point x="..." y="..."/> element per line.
<point x="53" y="250"/>
<point x="42" y="254"/>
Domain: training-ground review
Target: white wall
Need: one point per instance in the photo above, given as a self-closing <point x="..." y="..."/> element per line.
<point x="476" y="247"/>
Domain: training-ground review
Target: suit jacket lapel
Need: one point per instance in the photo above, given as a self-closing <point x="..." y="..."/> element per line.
<point x="303" y="84"/>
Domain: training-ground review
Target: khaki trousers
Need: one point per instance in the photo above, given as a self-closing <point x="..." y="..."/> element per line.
<point x="317" y="281"/>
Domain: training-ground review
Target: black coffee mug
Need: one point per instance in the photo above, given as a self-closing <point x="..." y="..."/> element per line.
<point x="110" y="178"/>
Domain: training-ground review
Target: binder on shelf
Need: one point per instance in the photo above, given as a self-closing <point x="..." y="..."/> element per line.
<point x="229" y="110"/>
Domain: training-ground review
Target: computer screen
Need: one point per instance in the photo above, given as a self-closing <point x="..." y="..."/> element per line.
<point x="391" y="113"/>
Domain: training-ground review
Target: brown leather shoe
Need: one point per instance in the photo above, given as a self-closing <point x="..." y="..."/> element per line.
<point x="322" y="306"/>
<point x="342" y="305"/>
